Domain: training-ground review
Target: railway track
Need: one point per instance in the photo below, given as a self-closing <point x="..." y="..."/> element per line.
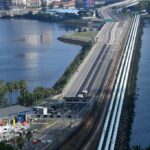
<point x="109" y="134"/>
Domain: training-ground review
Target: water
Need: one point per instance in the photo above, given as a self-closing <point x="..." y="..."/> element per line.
<point x="141" y="125"/>
<point x="29" y="50"/>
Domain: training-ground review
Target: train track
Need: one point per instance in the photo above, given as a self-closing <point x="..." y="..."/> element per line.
<point x="109" y="134"/>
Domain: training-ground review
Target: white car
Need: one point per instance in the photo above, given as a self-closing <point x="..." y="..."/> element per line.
<point x="80" y="96"/>
<point x="85" y="92"/>
<point x="49" y="141"/>
<point x="43" y="141"/>
<point x="5" y="129"/>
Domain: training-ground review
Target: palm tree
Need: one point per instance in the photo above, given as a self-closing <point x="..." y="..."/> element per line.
<point x="5" y="146"/>
<point x="148" y="148"/>
<point x="28" y="137"/>
<point x="2" y="85"/>
<point x="20" y="141"/>
<point x="9" y="86"/>
<point x="16" y="86"/>
<point x="23" y="87"/>
<point x="5" y="95"/>
<point x="39" y="93"/>
<point x="137" y="147"/>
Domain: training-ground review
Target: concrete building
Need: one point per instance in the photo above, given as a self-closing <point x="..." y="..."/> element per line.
<point x="18" y="2"/>
<point x="33" y="3"/>
<point x="85" y="3"/>
<point x="13" y="116"/>
<point x="49" y="2"/>
<point x="7" y="4"/>
<point x="4" y="4"/>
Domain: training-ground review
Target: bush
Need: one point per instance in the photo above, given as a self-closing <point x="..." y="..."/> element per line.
<point x="60" y="84"/>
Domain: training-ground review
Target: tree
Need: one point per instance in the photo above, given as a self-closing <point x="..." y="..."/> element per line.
<point x="9" y="86"/>
<point x="137" y="147"/>
<point x="20" y="141"/>
<point x="27" y="100"/>
<point x="23" y="87"/>
<point x="28" y="137"/>
<point x="48" y="92"/>
<point x="4" y="146"/>
<point x="16" y="87"/>
<point x="5" y="95"/>
<point x="148" y="148"/>
<point x="2" y="86"/>
<point x="39" y="93"/>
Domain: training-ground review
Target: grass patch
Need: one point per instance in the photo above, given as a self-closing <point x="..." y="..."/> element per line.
<point x="86" y="36"/>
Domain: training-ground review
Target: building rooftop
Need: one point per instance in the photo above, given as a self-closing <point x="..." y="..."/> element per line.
<point x="60" y="10"/>
<point x="11" y="110"/>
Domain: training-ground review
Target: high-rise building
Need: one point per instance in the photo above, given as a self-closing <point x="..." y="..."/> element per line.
<point x="85" y="3"/>
<point x="4" y="4"/>
<point x="89" y="3"/>
<point x="47" y="2"/>
<point x="18" y="3"/>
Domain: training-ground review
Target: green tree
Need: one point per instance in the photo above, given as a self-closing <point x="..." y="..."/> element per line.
<point x="27" y="100"/>
<point x="2" y="86"/>
<point x="148" y="148"/>
<point x="28" y="137"/>
<point x="39" y="93"/>
<point x="137" y="147"/>
<point x="20" y="141"/>
<point x="16" y="86"/>
<point x="143" y="5"/>
<point x="9" y="88"/>
<point x="48" y="92"/>
<point x="4" y="146"/>
<point x="23" y="84"/>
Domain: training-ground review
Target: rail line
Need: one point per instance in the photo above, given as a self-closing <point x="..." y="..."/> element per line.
<point x="109" y="134"/>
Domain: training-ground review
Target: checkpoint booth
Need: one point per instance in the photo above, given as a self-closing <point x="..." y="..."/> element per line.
<point x="14" y="117"/>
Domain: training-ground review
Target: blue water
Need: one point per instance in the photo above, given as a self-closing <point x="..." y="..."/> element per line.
<point x="29" y="50"/>
<point x="141" y="126"/>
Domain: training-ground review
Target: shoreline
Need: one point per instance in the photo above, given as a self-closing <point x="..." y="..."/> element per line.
<point x="127" y="116"/>
<point x="70" y="40"/>
<point x="79" y="38"/>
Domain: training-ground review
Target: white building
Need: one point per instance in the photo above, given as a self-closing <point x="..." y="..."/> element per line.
<point x="29" y="3"/>
<point x="18" y="2"/>
<point x="48" y="2"/>
<point x="33" y="3"/>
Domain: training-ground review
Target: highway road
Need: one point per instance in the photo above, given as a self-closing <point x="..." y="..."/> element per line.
<point x="92" y="71"/>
